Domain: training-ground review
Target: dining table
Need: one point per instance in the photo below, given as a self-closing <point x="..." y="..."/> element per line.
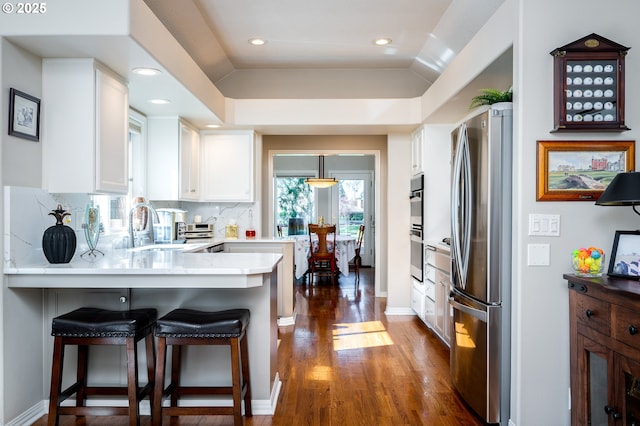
<point x="345" y="252"/>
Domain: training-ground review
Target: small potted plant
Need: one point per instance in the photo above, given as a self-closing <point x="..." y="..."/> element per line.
<point x="491" y="96"/>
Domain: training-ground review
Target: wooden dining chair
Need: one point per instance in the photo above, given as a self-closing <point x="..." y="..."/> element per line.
<point x="357" y="260"/>
<point x="322" y="261"/>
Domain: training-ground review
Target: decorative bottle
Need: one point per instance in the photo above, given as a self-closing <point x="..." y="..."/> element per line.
<point x="59" y="240"/>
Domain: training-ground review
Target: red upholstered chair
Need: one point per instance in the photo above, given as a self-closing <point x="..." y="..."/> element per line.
<point x="322" y="261"/>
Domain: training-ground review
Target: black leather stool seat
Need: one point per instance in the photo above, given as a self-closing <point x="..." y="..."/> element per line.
<point x="192" y="323"/>
<point x="94" y="322"/>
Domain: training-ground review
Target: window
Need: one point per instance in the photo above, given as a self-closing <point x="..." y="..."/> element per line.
<point x="294" y="199"/>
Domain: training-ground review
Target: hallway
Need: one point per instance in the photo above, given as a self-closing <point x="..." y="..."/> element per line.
<point x="345" y="363"/>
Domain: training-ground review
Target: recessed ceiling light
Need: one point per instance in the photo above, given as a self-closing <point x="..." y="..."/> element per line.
<point x="382" y="41"/>
<point x="213" y="126"/>
<point x="146" y="71"/>
<point x="160" y="101"/>
<point x="256" y="41"/>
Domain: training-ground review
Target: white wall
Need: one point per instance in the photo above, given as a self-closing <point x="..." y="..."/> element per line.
<point x="540" y="307"/>
<point x="22" y="159"/>
<point x="398" y="276"/>
<point x="21" y="370"/>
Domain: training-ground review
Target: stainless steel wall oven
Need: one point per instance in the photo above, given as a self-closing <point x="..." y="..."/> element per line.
<point x="416" y="232"/>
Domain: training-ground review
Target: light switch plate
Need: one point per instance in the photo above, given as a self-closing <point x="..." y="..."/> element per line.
<point x="544" y="225"/>
<point x="538" y="254"/>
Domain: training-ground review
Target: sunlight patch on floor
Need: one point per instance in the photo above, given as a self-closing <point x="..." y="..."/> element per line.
<point x="360" y="335"/>
<point x="320" y="373"/>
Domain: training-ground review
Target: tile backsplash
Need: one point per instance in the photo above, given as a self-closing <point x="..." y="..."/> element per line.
<point x="26" y="217"/>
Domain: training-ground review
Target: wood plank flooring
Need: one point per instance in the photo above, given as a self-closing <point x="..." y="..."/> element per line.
<point x="346" y="363"/>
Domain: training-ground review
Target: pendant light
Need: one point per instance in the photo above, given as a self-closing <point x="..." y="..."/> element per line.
<point x="321" y="181"/>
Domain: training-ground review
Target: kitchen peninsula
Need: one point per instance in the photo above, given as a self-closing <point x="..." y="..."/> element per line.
<point x="164" y="278"/>
<point x="167" y="279"/>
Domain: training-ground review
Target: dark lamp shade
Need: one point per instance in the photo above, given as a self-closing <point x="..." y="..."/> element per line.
<point x="624" y="190"/>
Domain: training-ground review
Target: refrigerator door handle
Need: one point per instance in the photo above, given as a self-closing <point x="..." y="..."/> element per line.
<point x="460" y="208"/>
<point x="481" y="315"/>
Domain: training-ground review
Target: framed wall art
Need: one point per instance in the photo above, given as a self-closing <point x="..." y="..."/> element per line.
<point x="24" y="115"/>
<point x="580" y="170"/>
<point x="625" y="255"/>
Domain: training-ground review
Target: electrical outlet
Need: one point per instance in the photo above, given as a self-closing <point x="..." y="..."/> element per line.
<point x="538" y="255"/>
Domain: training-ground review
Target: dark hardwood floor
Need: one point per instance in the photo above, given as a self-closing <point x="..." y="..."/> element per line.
<point x="346" y="363"/>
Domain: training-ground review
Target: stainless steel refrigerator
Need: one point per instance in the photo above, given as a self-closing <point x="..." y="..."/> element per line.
<point x="480" y="261"/>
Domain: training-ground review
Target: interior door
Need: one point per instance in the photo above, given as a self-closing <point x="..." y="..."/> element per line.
<point x="352" y="206"/>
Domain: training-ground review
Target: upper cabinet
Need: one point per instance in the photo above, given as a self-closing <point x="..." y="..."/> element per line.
<point x="228" y="165"/>
<point x="173" y="160"/>
<point x="189" y="163"/>
<point x="417" y="141"/>
<point x="85" y="115"/>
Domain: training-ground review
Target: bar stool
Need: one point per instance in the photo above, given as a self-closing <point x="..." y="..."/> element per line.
<point x="184" y="327"/>
<point x="91" y="326"/>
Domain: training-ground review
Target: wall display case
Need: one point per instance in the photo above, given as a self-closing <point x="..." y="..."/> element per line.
<point x="589" y="85"/>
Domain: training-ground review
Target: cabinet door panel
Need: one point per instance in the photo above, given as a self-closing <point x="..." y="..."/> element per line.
<point x="112" y="146"/>
<point x="595" y="370"/>
<point x="228" y="167"/>
<point x="627" y="389"/>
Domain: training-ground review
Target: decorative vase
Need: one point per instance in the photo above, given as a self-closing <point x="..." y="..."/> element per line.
<point x="59" y="240"/>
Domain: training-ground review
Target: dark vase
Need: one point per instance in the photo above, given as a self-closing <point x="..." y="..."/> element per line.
<point x="59" y="240"/>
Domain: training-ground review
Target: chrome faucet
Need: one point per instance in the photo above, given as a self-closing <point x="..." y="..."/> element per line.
<point x="138" y="238"/>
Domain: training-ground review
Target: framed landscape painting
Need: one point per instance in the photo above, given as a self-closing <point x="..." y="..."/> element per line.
<point x="580" y="170"/>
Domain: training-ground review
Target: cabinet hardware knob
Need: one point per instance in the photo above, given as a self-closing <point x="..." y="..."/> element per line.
<point x="123" y="299"/>
<point x="632" y="330"/>
<point x="588" y="313"/>
<point x="609" y="410"/>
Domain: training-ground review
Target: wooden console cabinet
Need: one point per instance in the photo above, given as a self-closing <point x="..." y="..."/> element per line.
<point x="605" y="350"/>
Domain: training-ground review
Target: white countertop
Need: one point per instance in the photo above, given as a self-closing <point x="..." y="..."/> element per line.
<point x="167" y="266"/>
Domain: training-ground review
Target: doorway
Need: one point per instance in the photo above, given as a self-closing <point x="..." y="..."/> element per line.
<point x="351" y="205"/>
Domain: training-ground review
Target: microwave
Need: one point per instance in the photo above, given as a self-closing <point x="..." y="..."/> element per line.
<point x="199" y="227"/>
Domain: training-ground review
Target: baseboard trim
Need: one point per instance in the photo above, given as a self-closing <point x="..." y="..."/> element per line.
<point x="260" y="407"/>
<point x="399" y="311"/>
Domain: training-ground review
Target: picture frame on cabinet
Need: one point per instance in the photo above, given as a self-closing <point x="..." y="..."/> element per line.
<point x="625" y="255"/>
<point x="24" y="115"/>
<point x="580" y="170"/>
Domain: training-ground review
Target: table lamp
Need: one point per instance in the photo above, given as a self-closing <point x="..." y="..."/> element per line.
<point x="624" y="190"/>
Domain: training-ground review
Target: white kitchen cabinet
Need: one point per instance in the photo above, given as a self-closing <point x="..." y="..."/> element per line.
<point x="437" y="278"/>
<point x="85" y="123"/>
<point x="417" y="142"/>
<point x="173" y="160"/>
<point x="228" y="166"/>
<point x="189" y="163"/>
<point x="417" y="298"/>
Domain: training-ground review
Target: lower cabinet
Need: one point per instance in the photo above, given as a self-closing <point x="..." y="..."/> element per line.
<point x="605" y="351"/>
<point x="438" y="313"/>
<point x="417" y="298"/>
